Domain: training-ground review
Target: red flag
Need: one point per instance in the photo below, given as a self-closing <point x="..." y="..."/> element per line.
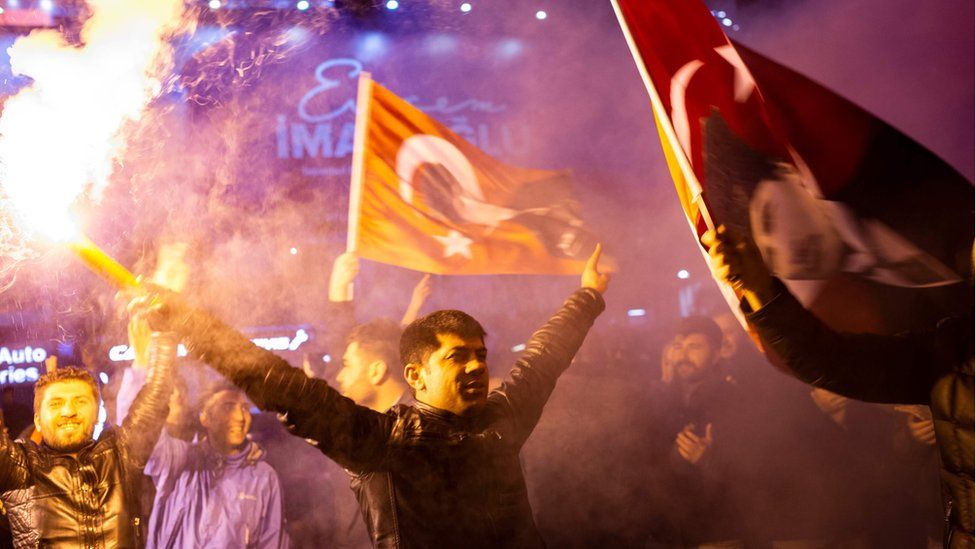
<point x="428" y="200"/>
<point x="849" y="212"/>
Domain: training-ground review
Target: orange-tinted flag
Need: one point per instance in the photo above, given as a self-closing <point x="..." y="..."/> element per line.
<point x="423" y="198"/>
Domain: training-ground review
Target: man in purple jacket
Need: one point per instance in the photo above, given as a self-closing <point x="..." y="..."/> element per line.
<point x="217" y="492"/>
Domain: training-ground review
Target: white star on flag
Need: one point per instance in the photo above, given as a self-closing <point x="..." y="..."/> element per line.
<point x="455" y="243"/>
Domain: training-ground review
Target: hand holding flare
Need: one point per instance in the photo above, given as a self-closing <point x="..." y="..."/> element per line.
<point x="172" y="273"/>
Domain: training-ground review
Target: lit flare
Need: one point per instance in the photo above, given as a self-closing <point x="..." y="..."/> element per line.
<point x="60" y="135"/>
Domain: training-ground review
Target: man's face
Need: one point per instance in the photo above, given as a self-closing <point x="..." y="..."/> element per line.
<point x="353" y="377"/>
<point x="227" y="419"/>
<point x="67" y="415"/>
<point x="693" y="357"/>
<point x="455" y="377"/>
<point x="797" y="237"/>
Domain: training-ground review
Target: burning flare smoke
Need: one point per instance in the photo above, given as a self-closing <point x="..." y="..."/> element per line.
<point x="61" y="133"/>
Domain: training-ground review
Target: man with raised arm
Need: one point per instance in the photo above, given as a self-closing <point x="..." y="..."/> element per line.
<point x="215" y="492"/>
<point x="444" y="471"/>
<point x="72" y="490"/>
<point x="932" y="367"/>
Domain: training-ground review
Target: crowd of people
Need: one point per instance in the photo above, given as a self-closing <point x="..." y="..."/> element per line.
<point x="684" y="437"/>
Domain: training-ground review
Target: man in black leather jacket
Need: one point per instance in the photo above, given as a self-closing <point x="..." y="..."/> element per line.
<point x="445" y="471"/>
<point x="933" y="367"/>
<point x="71" y="490"/>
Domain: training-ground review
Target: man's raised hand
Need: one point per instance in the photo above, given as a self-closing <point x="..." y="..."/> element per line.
<point x="160" y="308"/>
<point x="345" y="269"/>
<point x="592" y="277"/>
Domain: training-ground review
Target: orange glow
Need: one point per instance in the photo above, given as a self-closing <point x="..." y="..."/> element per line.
<point x="60" y="135"/>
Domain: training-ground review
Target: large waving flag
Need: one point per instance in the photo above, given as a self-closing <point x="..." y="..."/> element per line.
<point x="425" y="199"/>
<point x="852" y="214"/>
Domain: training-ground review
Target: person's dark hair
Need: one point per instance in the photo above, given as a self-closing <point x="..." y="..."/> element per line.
<point x="419" y="338"/>
<point x="65" y="373"/>
<point x="212" y="390"/>
<point x="701" y="325"/>
<point x="380" y="339"/>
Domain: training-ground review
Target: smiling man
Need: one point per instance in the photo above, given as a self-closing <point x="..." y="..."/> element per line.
<point x="71" y="490"/>
<point x="217" y="492"/>
<point x="443" y="471"/>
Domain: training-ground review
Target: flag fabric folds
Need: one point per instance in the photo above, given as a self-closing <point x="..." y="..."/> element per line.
<point x="868" y="228"/>
<point x="428" y="200"/>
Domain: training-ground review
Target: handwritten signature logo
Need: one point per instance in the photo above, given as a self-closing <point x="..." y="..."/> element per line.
<point x="353" y="68"/>
<point x="343" y="73"/>
<point x="442" y="105"/>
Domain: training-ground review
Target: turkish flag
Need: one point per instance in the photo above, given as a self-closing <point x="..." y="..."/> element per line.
<point x="430" y="201"/>
<point x="869" y="229"/>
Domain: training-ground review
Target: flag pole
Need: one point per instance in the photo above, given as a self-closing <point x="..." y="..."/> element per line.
<point x="363" y="94"/>
<point x="664" y="121"/>
<point x="664" y="125"/>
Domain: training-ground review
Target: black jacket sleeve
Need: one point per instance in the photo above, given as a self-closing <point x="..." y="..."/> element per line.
<point x="352" y="435"/>
<point x="13" y="463"/>
<point x="547" y="355"/>
<point x="141" y="427"/>
<point x="875" y="368"/>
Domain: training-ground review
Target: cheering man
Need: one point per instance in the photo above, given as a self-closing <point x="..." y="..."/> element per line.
<point x="71" y="490"/>
<point x="443" y="471"/>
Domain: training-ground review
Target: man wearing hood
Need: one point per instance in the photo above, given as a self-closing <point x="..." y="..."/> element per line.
<point x="218" y="491"/>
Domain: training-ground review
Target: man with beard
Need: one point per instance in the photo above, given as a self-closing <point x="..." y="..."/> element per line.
<point x="699" y="430"/>
<point x="450" y="461"/>
<point x="370" y="366"/>
<point x="370" y="375"/>
<point x="321" y="508"/>
<point x="71" y="490"/>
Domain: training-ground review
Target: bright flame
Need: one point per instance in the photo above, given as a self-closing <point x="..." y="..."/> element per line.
<point x="60" y="135"/>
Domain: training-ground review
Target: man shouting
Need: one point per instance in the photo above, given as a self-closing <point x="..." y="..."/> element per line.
<point x="443" y="471"/>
